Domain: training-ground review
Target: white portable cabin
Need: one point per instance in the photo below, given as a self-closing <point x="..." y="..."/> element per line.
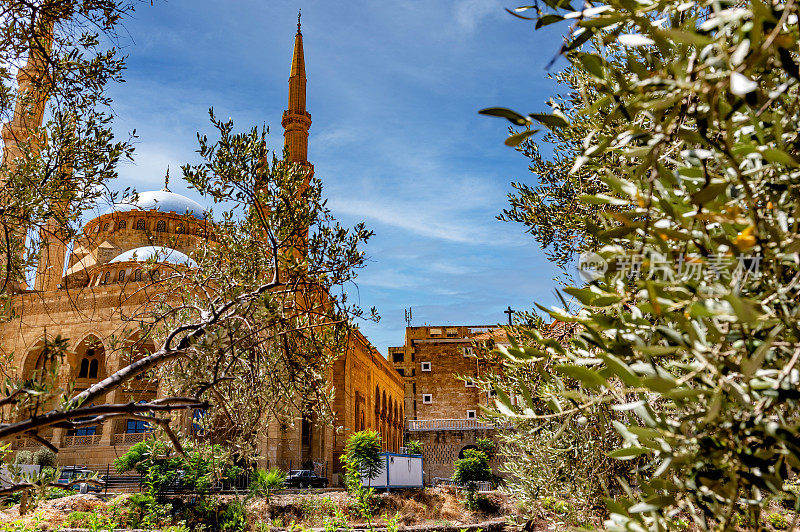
<point x="400" y="471"/>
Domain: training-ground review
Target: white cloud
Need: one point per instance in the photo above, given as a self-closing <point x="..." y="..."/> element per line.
<point x="470" y="13"/>
<point x="423" y="220"/>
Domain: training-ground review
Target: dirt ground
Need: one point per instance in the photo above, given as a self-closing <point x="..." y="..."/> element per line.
<point x="423" y="507"/>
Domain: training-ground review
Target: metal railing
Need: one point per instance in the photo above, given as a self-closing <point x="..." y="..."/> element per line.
<point x="452" y="424"/>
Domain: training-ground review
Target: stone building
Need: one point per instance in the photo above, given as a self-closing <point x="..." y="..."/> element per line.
<point x="442" y="403"/>
<point x="87" y="295"/>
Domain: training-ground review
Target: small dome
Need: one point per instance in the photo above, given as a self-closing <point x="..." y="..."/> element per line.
<point x="162" y="201"/>
<point x="160" y="253"/>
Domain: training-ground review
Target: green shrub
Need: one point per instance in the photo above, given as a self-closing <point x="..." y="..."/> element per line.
<point x="233" y="473"/>
<point x="486" y="446"/>
<point x="473" y="468"/>
<point x="364" y="452"/>
<point x="778" y="521"/>
<point x="234" y="518"/>
<point x="44" y="457"/>
<point x="77" y="520"/>
<point x="143" y="511"/>
<point x="414" y="447"/>
<point x="265" y="483"/>
<point x="316" y="508"/>
<point x="23" y="458"/>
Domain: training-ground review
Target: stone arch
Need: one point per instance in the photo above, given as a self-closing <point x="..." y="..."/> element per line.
<point x="377" y="408"/>
<point x="35" y="359"/>
<point x="90" y="359"/>
<point x="384" y="413"/>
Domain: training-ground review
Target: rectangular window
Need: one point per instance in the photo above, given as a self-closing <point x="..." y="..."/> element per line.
<point x="469" y="384"/>
<point x="427" y="398"/>
<point x="397" y="357"/>
<point x="452" y="333"/>
<point x="136" y="426"/>
<point x="83" y="431"/>
<point x="401" y="371"/>
<point x="471" y="414"/>
<point x="469" y="352"/>
<point x="425" y="366"/>
<point x="435" y="332"/>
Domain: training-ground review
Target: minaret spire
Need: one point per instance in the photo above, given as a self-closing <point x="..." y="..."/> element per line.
<point x="296" y="120"/>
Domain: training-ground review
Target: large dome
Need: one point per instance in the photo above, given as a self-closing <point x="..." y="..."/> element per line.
<point x="160" y="253"/>
<point x="162" y="201"/>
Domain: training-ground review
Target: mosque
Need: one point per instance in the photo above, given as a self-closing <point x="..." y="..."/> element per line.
<point x="84" y="291"/>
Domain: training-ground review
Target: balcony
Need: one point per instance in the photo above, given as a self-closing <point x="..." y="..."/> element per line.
<point x="25" y="443"/>
<point x="86" y="440"/>
<point x="453" y="424"/>
<point x="130" y="438"/>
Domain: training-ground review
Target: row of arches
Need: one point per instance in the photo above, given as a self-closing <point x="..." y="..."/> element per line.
<point x="88" y="359"/>
<point x="88" y="362"/>
<point x="388" y="419"/>
<point x="161" y="226"/>
<point x="122" y="275"/>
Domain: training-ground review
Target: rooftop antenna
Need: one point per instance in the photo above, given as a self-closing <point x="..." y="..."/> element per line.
<point x="409" y="317"/>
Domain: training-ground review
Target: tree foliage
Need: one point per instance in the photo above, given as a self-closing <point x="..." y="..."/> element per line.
<point x="58" y="54"/>
<point x="279" y="261"/>
<point x="691" y="332"/>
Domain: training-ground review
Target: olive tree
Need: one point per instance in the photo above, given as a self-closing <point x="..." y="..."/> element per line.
<point x="688" y="322"/>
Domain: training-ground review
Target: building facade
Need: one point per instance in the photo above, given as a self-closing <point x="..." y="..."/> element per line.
<point x="89" y="294"/>
<point x="442" y="402"/>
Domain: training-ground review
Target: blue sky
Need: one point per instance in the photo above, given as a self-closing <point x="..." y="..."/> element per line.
<point x="393" y="91"/>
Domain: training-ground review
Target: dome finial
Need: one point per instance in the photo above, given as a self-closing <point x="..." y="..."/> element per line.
<point x="299" y="11"/>
<point x="166" y="181"/>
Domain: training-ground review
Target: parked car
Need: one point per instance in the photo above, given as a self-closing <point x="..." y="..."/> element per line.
<point x="305" y="478"/>
<point x="74" y="473"/>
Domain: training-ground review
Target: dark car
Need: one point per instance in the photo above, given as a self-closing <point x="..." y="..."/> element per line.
<point x="305" y="478"/>
<point x="75" y="473"/>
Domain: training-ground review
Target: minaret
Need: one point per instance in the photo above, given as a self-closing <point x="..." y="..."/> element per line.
<point x="32" y="92"/>
<point x="296" y="120"/>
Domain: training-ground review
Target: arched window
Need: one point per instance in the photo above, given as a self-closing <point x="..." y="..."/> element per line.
<point x="140" y="224"/>
<point x="106" y="227"/>
<point x="121" y="276"/>
<point x="161" y="226"/>
<point x="91" y="354"/>
<point x="154" y="275"/>
<point x="122" y="224"/>
<point x="180" y="229"/>
<point x="107" y="278"/>
<point x="84" y="371"/>
<point x="137" y="275"/>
